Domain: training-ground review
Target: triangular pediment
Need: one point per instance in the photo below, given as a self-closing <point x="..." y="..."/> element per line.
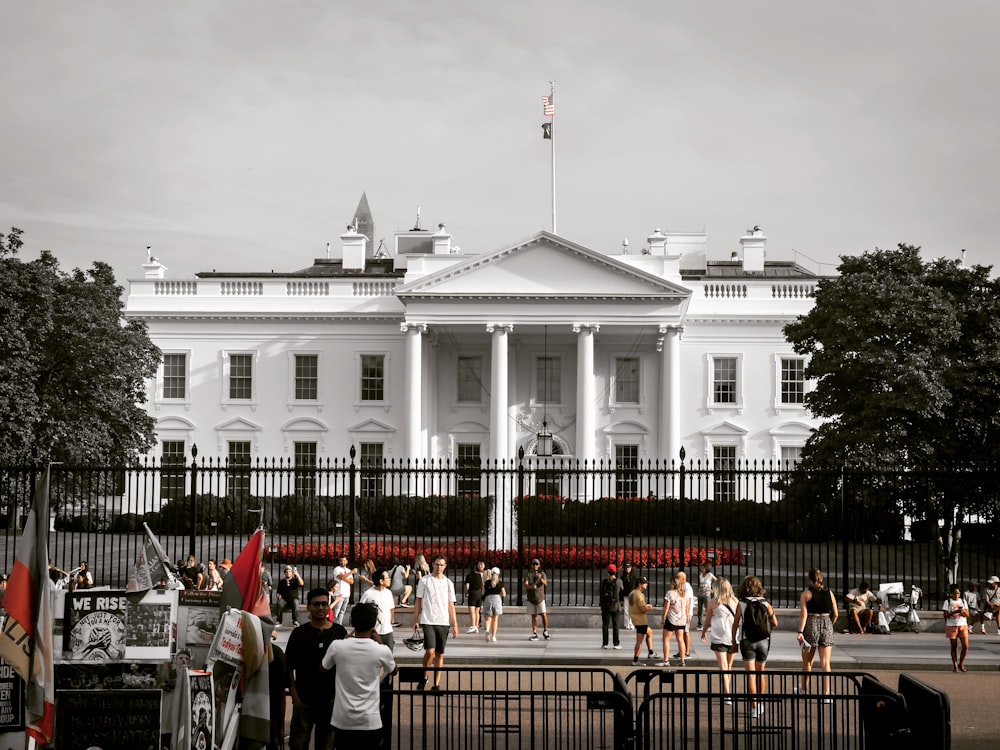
<point x="371" y="426"/>
<point x="238" y="423"/>
<point x="542" y="266"/>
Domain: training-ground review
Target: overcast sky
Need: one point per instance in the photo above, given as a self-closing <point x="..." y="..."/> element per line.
<point x="239" y="136"/>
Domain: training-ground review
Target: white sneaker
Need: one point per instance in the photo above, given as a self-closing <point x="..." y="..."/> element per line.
<point x="727" y="701"/>
<point x="756" y="712"/>
<point x="828" y="700"/>
<point x="637" y="663"/>
<point x="618" y="647"/>
<point x="605" y="647"/>
<point x="798" y="691"/>
<point x="473" y="629"/>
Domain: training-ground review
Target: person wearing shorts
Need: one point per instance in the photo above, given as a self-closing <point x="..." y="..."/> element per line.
<point x="817" y="613"/>
<point x="754" y="653"/>
<point x="493" y="596"/>
<point x="956" y="627"/>
<point x="434" y="612"/>
<point x="535" y="583"/>
<point x="474" y="595"/>
<point x="639" y="610"/>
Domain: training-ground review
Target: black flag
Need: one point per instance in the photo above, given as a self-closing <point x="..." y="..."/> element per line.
<point x="547" y="130"/>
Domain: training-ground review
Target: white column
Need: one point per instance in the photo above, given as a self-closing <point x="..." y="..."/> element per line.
<point x="669" y="346"/>
<point x="586" y="408"/>
<point x="413" y="370"/>
<point x="502" y="533"/>
<point x="498" y="389"/>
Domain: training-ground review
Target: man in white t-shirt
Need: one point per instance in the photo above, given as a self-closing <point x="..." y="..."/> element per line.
<point x="340" y="589"/>
<point x="434" y="611"/>
<point x="381" y="596"/>
<point x="361" y="664"/>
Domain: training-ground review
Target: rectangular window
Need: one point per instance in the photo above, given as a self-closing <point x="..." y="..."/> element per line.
<point x="626" y="470"/>
<point x="174" y="376"/>
<point x="790" y="455"/>
<point x="793" y="381"/>
<point x="305" y="469"/>
<point x="468" y="470"/>
<point x="306" y="377"/>
<point x="372" y="469"/>
<point x="470" y="379"/>
<point x="238" y="469"/>
<point x="172" y="470"/>
<point x="548" y="379"/>
<point x="240" y="376"/>
<point x="373" y="377"/>
<point x="724" y="380"/>
<point x="626" y="380"/>
<point x="723" y="472"/>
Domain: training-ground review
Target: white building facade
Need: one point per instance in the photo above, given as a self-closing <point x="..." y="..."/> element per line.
<point x="426" y="352"/>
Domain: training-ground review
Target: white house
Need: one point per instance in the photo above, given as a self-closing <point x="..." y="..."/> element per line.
<point x="423" y="351"/>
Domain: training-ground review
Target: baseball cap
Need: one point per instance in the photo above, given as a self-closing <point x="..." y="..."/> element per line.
<point x="628" y="565"/>
<point x="993" y="579"/>
<point x="495" y="571"/>
<point x="536" y="561"/>
<point x="612" y="568"/>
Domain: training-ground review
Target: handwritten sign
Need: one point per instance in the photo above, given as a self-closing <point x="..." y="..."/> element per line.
<point x="108" y="719"/>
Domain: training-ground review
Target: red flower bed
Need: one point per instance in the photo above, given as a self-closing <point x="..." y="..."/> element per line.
<point x="465" y="554"/>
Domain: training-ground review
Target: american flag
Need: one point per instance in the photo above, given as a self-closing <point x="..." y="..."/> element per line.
<point x="548" y="107"/>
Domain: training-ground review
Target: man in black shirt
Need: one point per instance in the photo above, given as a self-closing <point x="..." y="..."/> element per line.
<point x="289" y="593"/>
<point x="312" y="689"/>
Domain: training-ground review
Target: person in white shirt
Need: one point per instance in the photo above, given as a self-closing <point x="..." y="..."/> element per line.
<point x="381" y="596"/>
<point x="361" y="664"/>
<point x="433" y="612"/>
<point x="956" y="626"/>
<point x="684" y="636"/>
<point x="340" y="590"/>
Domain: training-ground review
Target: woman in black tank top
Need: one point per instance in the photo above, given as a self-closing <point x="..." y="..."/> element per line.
<point x="817" y="614"/>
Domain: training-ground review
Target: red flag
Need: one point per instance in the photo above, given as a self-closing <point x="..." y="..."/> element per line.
<point x="242" y="588"/>
<point x="27" y="643"/>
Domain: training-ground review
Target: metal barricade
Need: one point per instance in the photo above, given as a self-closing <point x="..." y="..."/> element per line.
<point x="690" y="708"/>
<point x="508" y="708"/>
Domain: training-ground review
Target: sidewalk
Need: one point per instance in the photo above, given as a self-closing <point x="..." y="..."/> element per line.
<point x="582" y="646"/>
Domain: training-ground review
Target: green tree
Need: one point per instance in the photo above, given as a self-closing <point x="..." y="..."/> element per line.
<point x="73" y="372"/>
<point x="905" y="355"/>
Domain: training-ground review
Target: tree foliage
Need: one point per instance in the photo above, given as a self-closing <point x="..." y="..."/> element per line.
<point x="73" y="370"/>
<point x="905" y="356"/>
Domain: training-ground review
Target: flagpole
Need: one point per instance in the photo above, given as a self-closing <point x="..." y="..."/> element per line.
<point x="552" y="143"/>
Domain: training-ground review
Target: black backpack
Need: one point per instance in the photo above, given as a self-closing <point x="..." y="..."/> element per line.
<point x="756" y="621"/>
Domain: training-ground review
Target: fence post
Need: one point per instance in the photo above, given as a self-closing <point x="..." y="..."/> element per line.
<point x="844" y="567"/>
<point x="352" y="504"/>
<point x="519" y="503"/>
<point x="683" y="515"/>
<point x="194" y="497"/>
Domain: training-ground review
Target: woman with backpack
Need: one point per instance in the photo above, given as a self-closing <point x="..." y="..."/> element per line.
<point x="817" y="614"/>
<point x="719" y="616"/>
<point x="752" y="630"/>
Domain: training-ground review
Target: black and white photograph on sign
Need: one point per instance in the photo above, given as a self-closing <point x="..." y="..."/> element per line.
<point x="197" y="622"/>
<point x="94" y="625"/>
<point x="108" y="719"/>
<point x="150" y="624"/>
<point x="202" y="710"/>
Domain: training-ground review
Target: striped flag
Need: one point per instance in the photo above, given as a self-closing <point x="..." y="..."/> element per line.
<point x="549" y="106"/>
<point x="28" y="643"/>
<point x="242" y="588"/>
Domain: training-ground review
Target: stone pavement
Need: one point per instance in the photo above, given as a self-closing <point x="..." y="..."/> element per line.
<point x="925" y="651"/>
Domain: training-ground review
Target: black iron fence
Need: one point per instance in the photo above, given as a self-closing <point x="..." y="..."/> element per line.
<point x="767" y="519"/>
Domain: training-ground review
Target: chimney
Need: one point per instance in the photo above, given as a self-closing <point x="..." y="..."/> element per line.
<point x="442" y="241"/>
<point x="657" y="242"/>
<point x="152" y="267"/>
<point x="354" y="249"/>
<point x="753" y="250"/>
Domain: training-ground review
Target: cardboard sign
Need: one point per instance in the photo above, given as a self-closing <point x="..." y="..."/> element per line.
<point x="108" y="719"/>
